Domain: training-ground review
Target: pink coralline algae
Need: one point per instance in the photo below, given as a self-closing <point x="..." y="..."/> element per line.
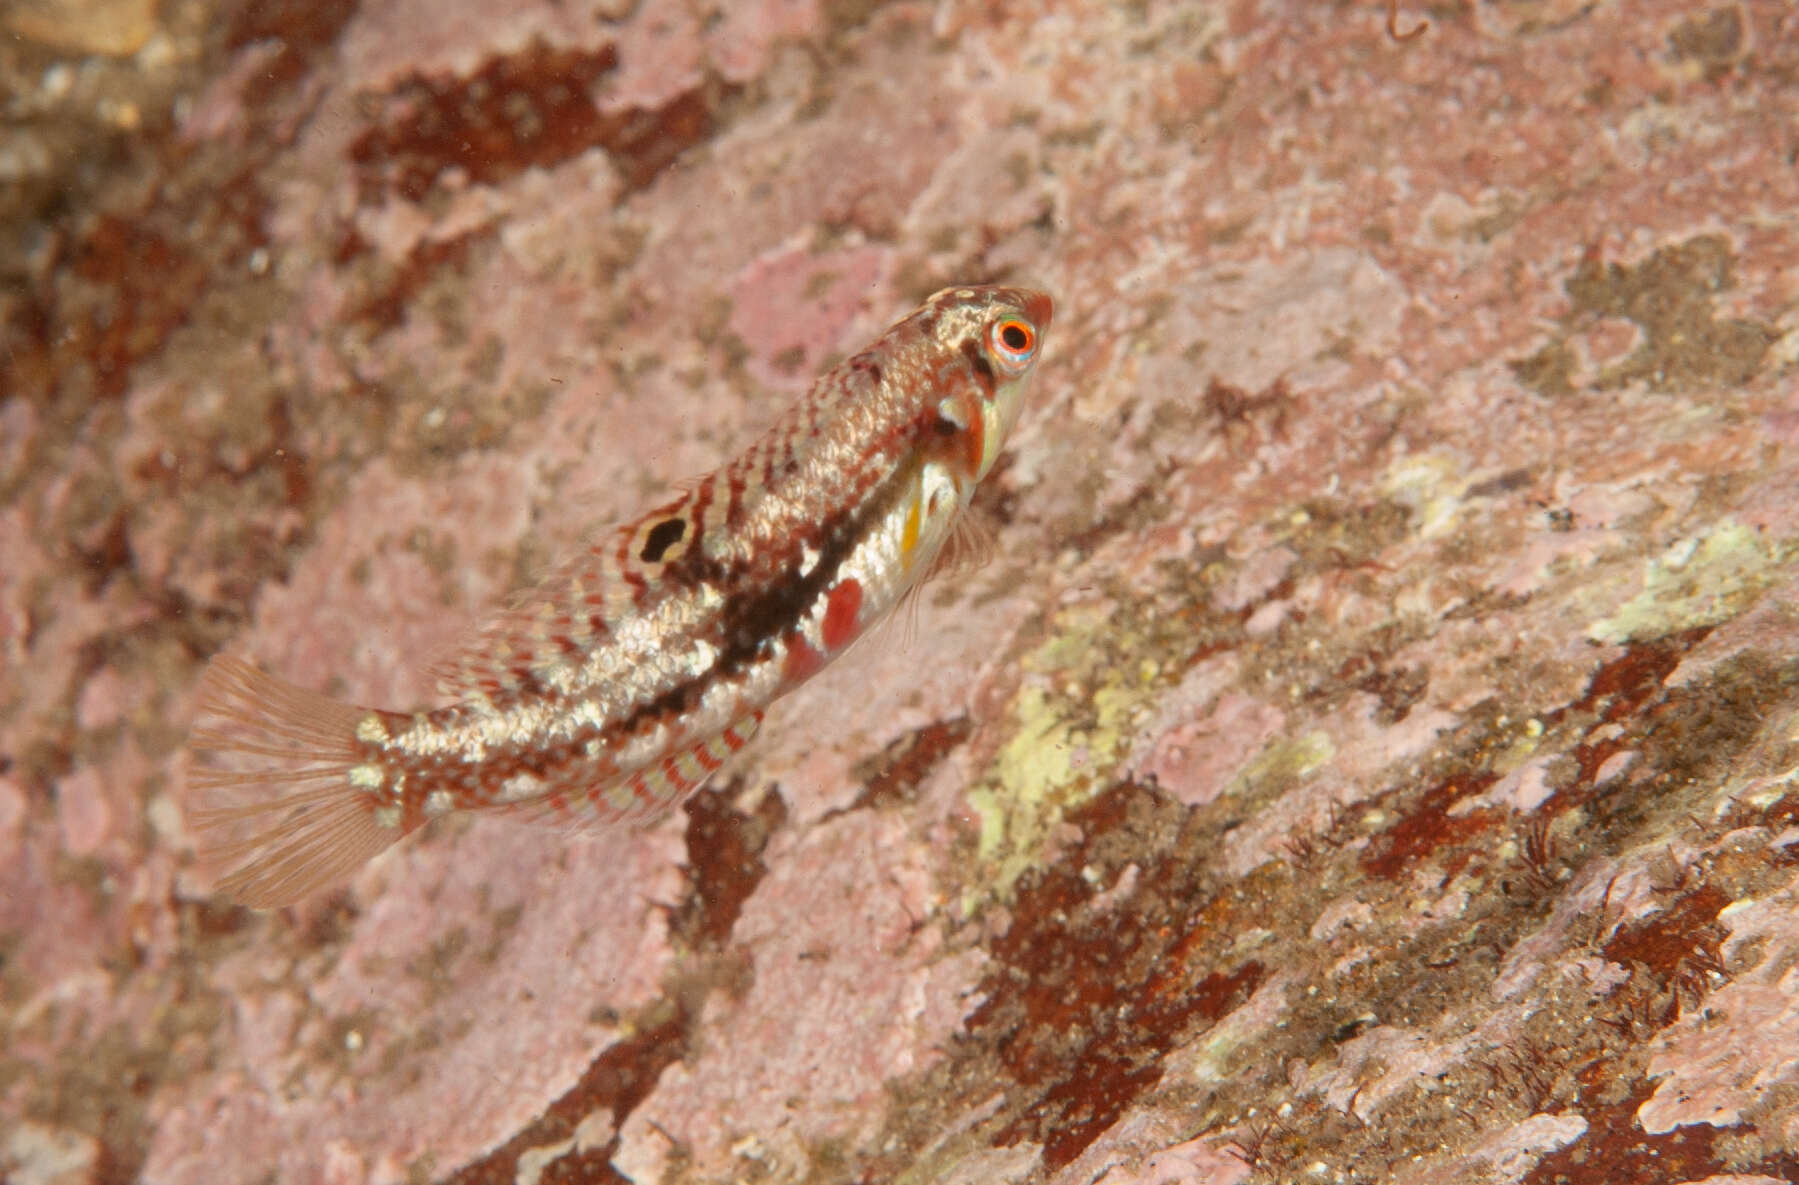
<point x="1367" y="752"/>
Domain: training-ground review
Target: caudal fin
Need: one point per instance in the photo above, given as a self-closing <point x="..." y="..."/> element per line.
<point x="274" y="806"/>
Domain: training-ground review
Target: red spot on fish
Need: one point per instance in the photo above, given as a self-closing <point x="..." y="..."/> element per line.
<point x="840" y="614"/>
<point x="802" y="660"/>
<point x="976" y="438"/>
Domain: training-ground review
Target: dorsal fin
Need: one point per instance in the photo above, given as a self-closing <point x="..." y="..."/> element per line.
<point x="567" y="608"/>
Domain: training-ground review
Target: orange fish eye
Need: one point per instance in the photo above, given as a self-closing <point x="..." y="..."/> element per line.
<point x="1014" y="341"/>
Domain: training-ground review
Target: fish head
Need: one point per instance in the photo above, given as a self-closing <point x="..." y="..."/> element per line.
<point x="990" y="339"/>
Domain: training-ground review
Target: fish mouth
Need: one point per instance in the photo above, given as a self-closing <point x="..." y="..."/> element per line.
<point x="1038" y="307"/>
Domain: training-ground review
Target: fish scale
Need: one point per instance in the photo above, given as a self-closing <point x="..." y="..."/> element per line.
<point x="639" y="667"/>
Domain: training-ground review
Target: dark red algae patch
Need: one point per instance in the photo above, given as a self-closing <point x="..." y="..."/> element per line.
<point x="153" y="285"/>
<point x="296" y="31"/>
<point x="617" y="1081"/>
<point x="1615" y="1150"/>
<point x="1622" y="686"/>
<point x="1628" y="691"/>
<point x="1429" y="826"/>
<point x="1087" y="996"/>
<point x="893" y="775"/>
<point x="1674" y="940"/>
<point x="724" y="862"/>
<point x="134" y="286"/>
<point x="531" y="109"/>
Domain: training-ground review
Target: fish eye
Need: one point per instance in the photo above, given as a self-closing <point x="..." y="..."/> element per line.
<point x="1012" y="342"/>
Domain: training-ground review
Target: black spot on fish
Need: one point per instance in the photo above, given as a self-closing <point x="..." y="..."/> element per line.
<point x="662" y="536"/>
<point x="868" y="366"/>
<point x="983" y="369"/>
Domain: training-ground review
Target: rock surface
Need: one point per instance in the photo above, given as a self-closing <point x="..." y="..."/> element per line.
<point x="1372" y="753"/>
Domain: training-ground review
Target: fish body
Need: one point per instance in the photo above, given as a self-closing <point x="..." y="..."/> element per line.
<point x="620" y="682"/>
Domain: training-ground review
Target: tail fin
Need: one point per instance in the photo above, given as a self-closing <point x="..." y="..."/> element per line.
<point x="280" y="812"/>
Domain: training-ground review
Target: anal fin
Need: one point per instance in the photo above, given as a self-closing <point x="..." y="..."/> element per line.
<point x="640" y="795"/>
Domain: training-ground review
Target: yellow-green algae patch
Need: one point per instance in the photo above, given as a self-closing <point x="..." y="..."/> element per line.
<point x="1087" y="693"/>
<point x="1433" y="488"/>
<point x="1065" y="740"/>
<point x="1285" y="760"/>
<point x="1700" y="580"/>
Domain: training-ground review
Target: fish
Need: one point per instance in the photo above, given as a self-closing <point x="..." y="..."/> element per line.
<point x="640" y="666"/>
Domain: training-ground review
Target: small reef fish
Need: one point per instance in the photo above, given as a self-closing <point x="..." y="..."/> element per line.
<point x="618" y="684"/>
